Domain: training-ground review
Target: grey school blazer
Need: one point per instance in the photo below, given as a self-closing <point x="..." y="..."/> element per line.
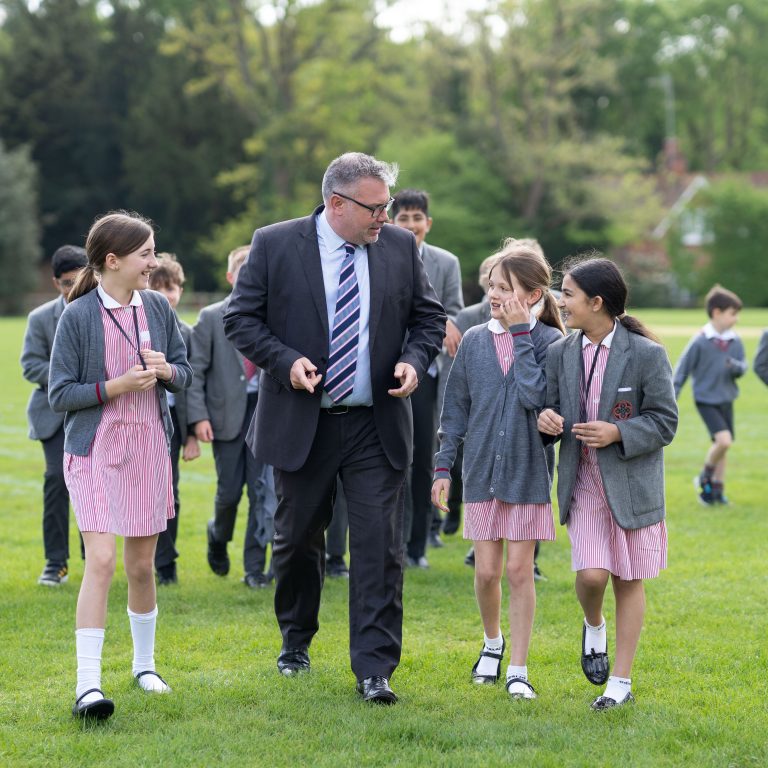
<point x="638" y="396"/>
<point x="77" y="365"/>
<point x="218" y="392"/>
<point x="35" y="362"/>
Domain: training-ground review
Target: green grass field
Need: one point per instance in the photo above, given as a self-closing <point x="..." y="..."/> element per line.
<point x="699" y="678"/>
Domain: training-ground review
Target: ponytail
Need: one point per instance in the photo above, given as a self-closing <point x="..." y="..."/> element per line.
<point x="84" y="283"/>
<point x="633" y="325"/>
<point x="550" y="314"/>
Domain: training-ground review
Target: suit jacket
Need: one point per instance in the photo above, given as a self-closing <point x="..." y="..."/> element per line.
<point x="35" y="364"/>
<point x="278" y="314"/>
<point x="638" y="396"/>
<point x="761" y="358"/>
<point x="218" y="392"/>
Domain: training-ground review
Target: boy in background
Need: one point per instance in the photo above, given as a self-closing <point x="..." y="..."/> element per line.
<point x="168" y="279"/>
<point x="220" y="403"/>
<point x="45" y="425"/>
<point x="714" y="358"/>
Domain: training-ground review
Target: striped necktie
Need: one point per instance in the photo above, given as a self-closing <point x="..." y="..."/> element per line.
<point x="342" y="360"/>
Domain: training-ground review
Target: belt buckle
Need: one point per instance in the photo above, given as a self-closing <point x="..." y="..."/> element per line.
<point x="338" y="410"/>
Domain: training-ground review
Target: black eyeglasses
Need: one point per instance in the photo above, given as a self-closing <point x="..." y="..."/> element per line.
<point x="68" y="283"/>
<point x="376" y="210"/>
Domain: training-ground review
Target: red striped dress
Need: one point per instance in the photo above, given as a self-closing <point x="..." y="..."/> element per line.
<point x="597" y="541"/>
<point x="493" y="520"/>
<point x="123" y="486"/>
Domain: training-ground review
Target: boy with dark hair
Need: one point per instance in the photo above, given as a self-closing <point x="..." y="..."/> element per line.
<point x="410" y="210"/>
<point x="221" y="402"/>
<point x="714" y="358"/>
<point x="168" y="279"/>
<point x="44" y="424"/>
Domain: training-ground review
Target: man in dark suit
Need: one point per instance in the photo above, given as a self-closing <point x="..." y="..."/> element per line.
<point x="45" y="425"/>
<point x="337" y="310"/>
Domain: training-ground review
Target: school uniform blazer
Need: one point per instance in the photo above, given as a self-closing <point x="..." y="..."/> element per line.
<point x="638" y="397"/>
<point x="180" y="398"/>
<point x="77" y="386"/>
<point x="278" y="314"/>
<point x="35" y="362"/>
<point x="218" y="392"/>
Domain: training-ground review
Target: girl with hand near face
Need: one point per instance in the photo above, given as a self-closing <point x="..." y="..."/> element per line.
<point x="495" y="388"/>
<point x="117" y="351"/>
<point x="611" y="403"/>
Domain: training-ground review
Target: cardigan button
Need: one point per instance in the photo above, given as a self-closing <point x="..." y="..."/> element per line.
<point x="498" y="457"/>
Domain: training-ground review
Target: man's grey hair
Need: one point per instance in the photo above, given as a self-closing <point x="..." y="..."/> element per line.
<point x="347" y="169"/>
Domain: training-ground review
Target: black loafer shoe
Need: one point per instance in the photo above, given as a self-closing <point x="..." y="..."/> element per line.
<point x="377" y="690"/>
<point x="218" y="558"/>
<point x="604" y="702"/>
<point x="596" y="666"/>
<point x="293" y="661"/>
<point x="100" y="709"/>
<point x="489" y="679"/>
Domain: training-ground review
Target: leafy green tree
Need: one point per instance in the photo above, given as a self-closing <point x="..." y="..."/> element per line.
<point x="19" y="226"/>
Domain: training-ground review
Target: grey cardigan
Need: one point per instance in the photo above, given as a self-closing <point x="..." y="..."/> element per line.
<point x="495" y="417"/>
<point x="637" y="395"/>
<point x="714" y="370"/>
<point x="77" y="365"/>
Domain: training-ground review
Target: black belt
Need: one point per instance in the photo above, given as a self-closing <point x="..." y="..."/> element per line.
<point x="339" y="410"/>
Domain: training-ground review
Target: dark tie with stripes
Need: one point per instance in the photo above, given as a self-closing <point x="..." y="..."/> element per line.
<point x="342" y="361"/>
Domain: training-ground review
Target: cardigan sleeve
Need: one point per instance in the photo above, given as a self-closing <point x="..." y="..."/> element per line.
<point x="65" y="392"/>
<point x="176" y="355"/>
<point x="455" y="414"/>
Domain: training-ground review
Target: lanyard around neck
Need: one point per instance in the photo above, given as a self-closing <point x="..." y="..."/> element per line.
<point x="589" y="383"/>
<point x="137" y="345"/>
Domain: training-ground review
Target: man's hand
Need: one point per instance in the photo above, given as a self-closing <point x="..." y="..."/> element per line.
<point x="597" y="434"/>
<point x="550" y="422"/>
<point x="452" y="338"/>
<point x="204" y="431"/>
<point x="304" y="375"/>
<point x="405" y="373"/>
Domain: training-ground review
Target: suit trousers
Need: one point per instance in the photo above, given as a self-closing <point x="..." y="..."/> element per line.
<point x="336" y="535"/>
<point x="423" y="401"/>
<point x="347" y="445"/>
<point x="236" y="467"/>
<point x="166" y="553"/>
<point x="55" y="500"/>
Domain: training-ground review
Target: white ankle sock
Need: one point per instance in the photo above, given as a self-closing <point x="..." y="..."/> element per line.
<point x="595" y="638"/>
<point x="618" y="687"/>
<point x="489" y="666"/>
<point x="88" y="643"/>
<point x="518" y="689"/>
<point x="143" y="633"/>
<point x="513" y="671"/>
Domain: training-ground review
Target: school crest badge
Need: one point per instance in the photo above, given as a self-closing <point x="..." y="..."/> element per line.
<point x="622" y="410"/>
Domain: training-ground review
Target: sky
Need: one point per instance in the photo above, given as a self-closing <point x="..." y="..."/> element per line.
<point x="407" y="17"/>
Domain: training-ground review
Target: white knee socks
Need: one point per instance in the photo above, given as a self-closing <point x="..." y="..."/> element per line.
<point x="88" y="644"/>
<point x="143" y="633"/>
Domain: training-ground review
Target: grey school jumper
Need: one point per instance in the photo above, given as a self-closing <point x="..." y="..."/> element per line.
<point x="713" y="369"/>
<point x="77" y="365"/>
<point x="495" y="416"/>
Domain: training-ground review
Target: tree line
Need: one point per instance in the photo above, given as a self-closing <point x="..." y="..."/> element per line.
<point x="541" y="118"/>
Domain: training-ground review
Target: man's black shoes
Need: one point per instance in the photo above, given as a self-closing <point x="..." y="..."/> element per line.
<point x="218" y="558"/>
<point x="293" y="661"/>
<point x="376" y="689"/>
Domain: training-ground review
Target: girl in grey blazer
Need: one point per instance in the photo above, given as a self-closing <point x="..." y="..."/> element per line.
<point x="611" y="403"/>
<point x="116" y="352"/>
<point x="494" y="390"/>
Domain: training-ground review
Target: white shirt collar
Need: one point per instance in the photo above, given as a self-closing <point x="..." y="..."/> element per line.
<point x="495" y="326"/>
<point x="331" y="240"/>
<point x="606" y="342"/>
<point x="110" y="303"/>
<point x="709" y="331"/>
